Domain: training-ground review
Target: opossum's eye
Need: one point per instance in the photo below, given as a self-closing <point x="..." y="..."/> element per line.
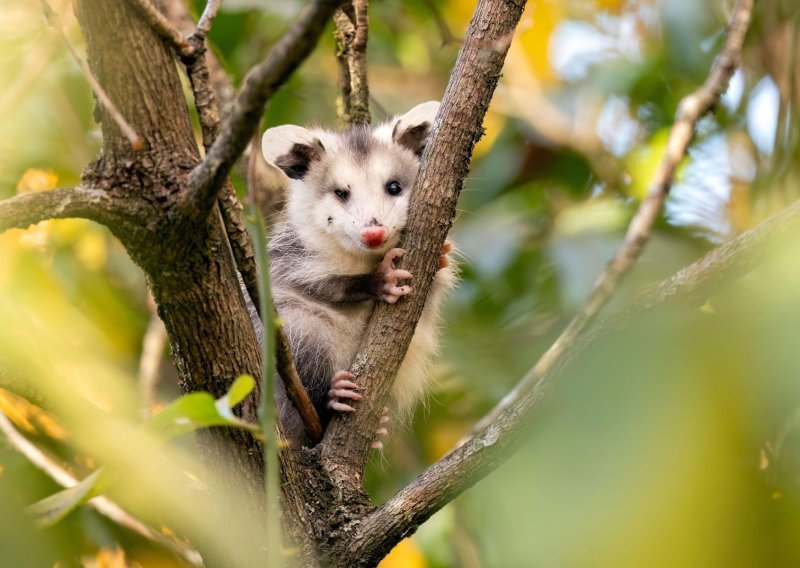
<point x="393" y="188"/>
<point x="342" y="194"/>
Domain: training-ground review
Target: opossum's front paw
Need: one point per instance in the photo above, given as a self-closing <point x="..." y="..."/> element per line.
<point x="444" y="260"/>
<point x="342" y="388"/>
<point x="389" y="291"/>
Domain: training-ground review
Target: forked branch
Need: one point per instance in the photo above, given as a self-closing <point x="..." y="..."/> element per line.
<point x="245" y="118"/>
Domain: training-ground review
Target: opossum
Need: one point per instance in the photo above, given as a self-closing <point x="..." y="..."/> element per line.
<point x="333" y="251"/>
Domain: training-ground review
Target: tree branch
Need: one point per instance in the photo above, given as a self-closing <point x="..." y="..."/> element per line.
<point x="260" y="84"/>
<point x="21" y="211"/>
<point x="690" y="110"/>
<point x="352" y="32"/>
<point x="445" y="164"/>
<point x="97" y="88"/>
<point x="163" y="28"/>
<point x="495" y="441"/>
<point x="461" y="468"/>
<point x="207" y="18"/>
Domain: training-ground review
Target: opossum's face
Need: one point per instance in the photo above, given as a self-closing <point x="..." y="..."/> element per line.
<point x="351" y="188"/>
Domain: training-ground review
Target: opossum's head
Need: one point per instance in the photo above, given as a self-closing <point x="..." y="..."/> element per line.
<point x="351" y="188"/>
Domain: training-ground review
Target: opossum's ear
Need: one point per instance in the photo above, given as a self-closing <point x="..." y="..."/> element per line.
<point x="414" y="127"/>
<point x="292" y="149"/>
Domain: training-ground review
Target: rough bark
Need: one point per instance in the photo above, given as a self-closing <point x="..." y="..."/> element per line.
<point x="445" y="164"/>
<point x="190" y="272"/>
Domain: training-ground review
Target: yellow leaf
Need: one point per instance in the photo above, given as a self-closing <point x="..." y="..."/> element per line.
<point x="34" y="180"/>
<point x="405" y="555"/>
<point x="15" y="412"/>
<point x="29" y="417"/>
<point x="643" y="162"/>
<point x="611" y="5"/>
<point x="92" y="251"/>
<point x="106" y="558"/>
<point x="538" y="22"/>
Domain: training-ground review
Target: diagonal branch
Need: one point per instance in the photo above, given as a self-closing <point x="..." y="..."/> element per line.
<point x="261" y="83"/>
<point x="162" y="26"/>
<point x="445" y="164"/>
<point x="97" y="88"/>
<point x="466" y="465"/>
<point x="496" y="440"/>
<point x="27" y="209"/>
<point x="690" y="110"/>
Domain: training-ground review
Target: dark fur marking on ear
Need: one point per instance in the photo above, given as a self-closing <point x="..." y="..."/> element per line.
<point x="414" y="138"/>
<point x="295" y="164"/>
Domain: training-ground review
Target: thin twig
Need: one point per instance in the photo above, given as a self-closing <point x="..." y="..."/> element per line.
<point x="207" y="18"/>
<point x="295" y="390"/>
<point x="102" y="505"/>
<point x="162" y="26"/>
<point x="97" y="88"/>
<point x="261" y="83"/>
<point x="352" y="33"/>
<point x="178" y="14"/>
<point x="344" y="39"/>
<point x="690" y="110"/>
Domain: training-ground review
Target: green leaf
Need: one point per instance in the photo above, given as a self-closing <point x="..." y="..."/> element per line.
<point x="198" y="410"/>
<point x="240" y="388"/>
<point x="53" y="508"/>
<point x="186" y="414"/>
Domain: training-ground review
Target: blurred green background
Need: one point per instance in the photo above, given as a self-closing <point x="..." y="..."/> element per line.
<point x="675" y="442"/>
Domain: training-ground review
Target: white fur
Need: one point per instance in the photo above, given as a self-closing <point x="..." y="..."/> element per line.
<point x="330" y="233"/>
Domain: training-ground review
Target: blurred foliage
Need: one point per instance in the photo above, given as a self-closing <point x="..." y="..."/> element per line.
<point x="675" y="442"/>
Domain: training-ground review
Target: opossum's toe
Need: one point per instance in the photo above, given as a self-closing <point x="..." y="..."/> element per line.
<point x="398" y="274"/>
<point x="376" y="445"/>
<point x="344" y="393"/>
<point x="342" y="388"/>
<point x="392" y="292"/>
<point x="340" y="406"/>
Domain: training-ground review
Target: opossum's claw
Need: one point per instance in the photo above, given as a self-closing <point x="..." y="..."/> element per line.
<point x="391" y="292"/>
<point x="342" y="387"/>
<point x="444" y="261"/>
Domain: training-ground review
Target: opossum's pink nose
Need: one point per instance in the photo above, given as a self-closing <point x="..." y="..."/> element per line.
<point x="374" y="235"/>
